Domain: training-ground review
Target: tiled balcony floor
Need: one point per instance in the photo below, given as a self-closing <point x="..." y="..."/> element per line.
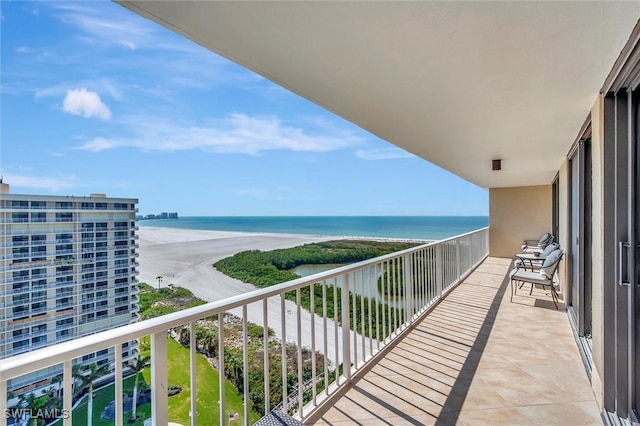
<point x="477" y="359"/>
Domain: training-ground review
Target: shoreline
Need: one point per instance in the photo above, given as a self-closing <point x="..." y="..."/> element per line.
<point x="214" y="233"/>
<point x="185" y="258"/>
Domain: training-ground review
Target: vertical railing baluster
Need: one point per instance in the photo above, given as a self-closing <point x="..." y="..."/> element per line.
<point x="326" y="338"/>
<point x="354" y="329"/>
<point x="423" y="278"/>
<point x="265" y="342"/>
<point x="245" y="363"/>
<point x="416" y="267"/>
<point x="346" y="344"/>
<point x="223" y="408"/>
<point x="385" y="301"/>
<point x="67" y="396"/>
<point x="394" y="297"/>
<point x="283" y="354"/>
<point x="265" y="335"/>
<point x="159" y="398"/>
<point x="457" y="240"/>
<point x="118" y="385"/>
<point x="396" y="288"/>
<point x="439" y="272"/>
<point x="3" y="398"/>
<point x="408" y="286"/>
<point x="299" y="342"/>
<point x="433" y="280"/>
<point x="312" y="293"/>
<point x="362" y="317"/>
<point x="369" y="295"/>
<point x="335" y="325"/>
<point x="378" y="306"/>
<point x="193" y="373"/>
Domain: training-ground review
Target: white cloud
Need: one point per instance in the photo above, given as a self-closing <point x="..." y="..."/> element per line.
<point x="23" y="49"/>
<point x="53" y="184"/>
<point x="128" y="44"/>
<point x="237" y="133"/>
<point x="86" y="103"/>
<point x="98" y="144"/>
<point x="382" y="154"/>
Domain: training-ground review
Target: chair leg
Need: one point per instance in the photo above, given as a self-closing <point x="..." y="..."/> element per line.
<point x="554" y="297"/>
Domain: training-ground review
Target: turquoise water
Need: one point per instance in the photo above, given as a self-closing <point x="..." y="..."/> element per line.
<point x="405" y="227"/>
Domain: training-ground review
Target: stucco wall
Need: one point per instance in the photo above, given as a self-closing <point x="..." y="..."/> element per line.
<point x="516" y="214"/>
<point x="564" y="221"/>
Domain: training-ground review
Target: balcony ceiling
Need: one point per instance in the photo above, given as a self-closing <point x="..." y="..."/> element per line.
<point x="456" y="83"/>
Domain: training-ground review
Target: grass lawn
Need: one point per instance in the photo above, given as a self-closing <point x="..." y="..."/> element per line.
<point x="208" y="386"/>
<point x="179" y="405"/>
<point x="103" y="397"/>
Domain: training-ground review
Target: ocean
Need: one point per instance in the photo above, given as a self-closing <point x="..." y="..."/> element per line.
<point x="401" y="227"/>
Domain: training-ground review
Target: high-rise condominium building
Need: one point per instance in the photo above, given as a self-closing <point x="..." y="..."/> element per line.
<point x="67" y="269"/>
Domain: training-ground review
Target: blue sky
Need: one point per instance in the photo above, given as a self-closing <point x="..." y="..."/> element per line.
<point x="98" y="99"/>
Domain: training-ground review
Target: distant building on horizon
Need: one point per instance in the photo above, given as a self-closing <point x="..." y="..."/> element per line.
<point x="163" y="215"/>
<point x="67" y="270"/>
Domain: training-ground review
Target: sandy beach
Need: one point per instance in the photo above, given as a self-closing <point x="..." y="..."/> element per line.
<point x="184" y="258"/>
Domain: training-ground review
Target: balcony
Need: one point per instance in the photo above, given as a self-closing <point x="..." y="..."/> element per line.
<point x="476" y="358"/>
<point x="453" y="348"/>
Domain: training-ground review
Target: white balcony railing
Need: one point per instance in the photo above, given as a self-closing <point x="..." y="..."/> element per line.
<point x="414" y="280"/>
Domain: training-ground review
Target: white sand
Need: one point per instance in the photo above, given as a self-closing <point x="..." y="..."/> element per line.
<point x="184" y="258"/>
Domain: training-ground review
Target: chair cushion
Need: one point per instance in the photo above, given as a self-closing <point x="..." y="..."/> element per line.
<point x="528" y="276"/>
<point x="545" y="240"/>
<point x="550" y="264"/>
<point x="550" y="248"/>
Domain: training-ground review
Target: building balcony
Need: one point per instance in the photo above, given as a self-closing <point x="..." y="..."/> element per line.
<point x="476" y="358"/>
<point x="453" y="348"/>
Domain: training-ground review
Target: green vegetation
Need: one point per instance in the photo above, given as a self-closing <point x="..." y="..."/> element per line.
<point x="267" y="268"/>
<point x="179" y="404"/>
<point x="264" y="269"/>
<point x="87" y="378"/>
<point x="208" y="389"/>
<point x="154" y="303"/>
<point x="207" y="343"/>
<point x="102" y="398"/>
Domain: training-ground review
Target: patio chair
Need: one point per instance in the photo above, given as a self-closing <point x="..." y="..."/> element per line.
<point x="531" y="246"/>
<point x="545" y="277"/>
<point x="534" y="260"/>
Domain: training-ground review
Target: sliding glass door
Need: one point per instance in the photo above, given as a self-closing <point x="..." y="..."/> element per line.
<point x="621" y="254"/>
<point x="579" y="250"/>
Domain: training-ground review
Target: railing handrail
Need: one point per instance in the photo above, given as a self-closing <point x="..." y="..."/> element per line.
<point x="57" y="354"/>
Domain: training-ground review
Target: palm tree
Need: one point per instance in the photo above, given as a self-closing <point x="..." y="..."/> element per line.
<point x="208" y="340"/>
<point x="78" y="378"/>
<point x="33" y="404"/>
<point x="56" y="381"/>
<point x="183" y="336"/>
<point x="139" y="364"/>
<point x="92" y="373"/>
